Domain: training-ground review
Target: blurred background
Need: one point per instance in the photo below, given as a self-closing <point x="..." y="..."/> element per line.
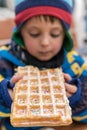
<point x="80" y="26"/>
<point x="78" y="29"/>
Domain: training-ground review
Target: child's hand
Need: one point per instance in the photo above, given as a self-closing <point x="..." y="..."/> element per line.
<point x="16" y="78"/>
<point x="10" y="93"/>
<point x="70" y="89"/>
<point x="13" y="80"/>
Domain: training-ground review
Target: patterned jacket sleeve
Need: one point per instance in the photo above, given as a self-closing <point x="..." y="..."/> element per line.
<point x="79" y="108"/>
<point x="5" y="100"/>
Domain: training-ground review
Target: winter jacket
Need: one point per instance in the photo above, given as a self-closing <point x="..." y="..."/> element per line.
<point x="72" y="64"/>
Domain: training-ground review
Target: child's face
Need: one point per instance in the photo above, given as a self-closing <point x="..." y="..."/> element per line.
<point x="43" y="39"/>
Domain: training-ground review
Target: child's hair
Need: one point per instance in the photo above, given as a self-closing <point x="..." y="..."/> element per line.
<point x="48" y="18"/>
<point x="50" y="9"/>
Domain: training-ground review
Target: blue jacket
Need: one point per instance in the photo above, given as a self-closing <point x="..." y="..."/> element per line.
<point x="73" y="64"/>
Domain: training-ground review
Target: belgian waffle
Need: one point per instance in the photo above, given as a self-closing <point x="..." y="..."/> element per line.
<point x="40" y="98"/>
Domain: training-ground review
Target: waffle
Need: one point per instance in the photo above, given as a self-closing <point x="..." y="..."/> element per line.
<point x="40" y="99"/>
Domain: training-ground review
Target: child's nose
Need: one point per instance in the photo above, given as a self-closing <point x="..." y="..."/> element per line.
<point x="45" y="41"/>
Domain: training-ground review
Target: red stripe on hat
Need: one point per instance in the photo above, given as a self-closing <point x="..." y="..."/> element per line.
<point x="43" y="10"/>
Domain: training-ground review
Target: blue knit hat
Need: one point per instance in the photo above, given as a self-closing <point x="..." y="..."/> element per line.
<point x="61" y="9"/>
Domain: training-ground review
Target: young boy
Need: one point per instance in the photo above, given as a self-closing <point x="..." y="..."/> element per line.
<point x="41" y="39"/>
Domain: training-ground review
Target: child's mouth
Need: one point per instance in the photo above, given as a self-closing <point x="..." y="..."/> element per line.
<point x="45" y="53"/>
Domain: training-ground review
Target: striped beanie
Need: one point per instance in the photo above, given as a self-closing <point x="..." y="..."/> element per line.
<point x="62" y="9"/>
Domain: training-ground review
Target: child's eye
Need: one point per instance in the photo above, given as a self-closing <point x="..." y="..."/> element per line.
<point x="34" y="34"/>
<point x="55" y="35"/>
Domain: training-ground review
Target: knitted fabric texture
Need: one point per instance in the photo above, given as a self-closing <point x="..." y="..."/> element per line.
<point x="59" y="8"/>
<point x="4" y="85"/>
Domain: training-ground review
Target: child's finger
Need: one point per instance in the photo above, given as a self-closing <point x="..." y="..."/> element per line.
<point x="68" y="94"/>
<point x="67" y="77"/>
<point x="15" y="78"/>
<point x="70" y="88"/>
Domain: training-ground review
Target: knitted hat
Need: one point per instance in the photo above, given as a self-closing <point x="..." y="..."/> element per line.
<point x="62" y="9"/>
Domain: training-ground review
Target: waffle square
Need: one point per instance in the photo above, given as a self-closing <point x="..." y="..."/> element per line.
<point x="40" y="99"/>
